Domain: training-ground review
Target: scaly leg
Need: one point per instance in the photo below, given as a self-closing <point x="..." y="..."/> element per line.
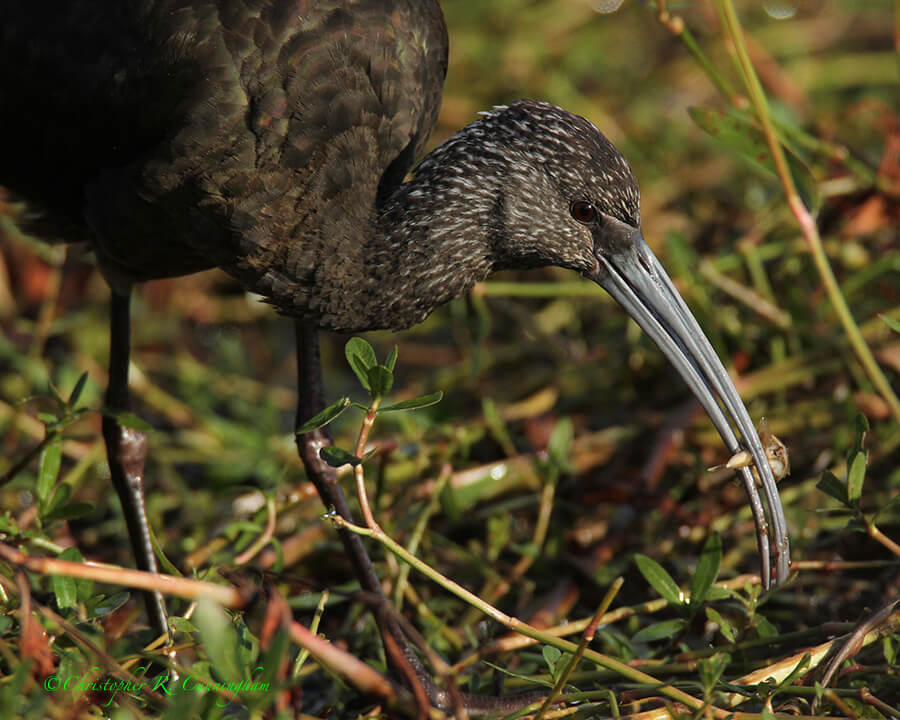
<point x="311" y="401"/>
<point x="126" y="449"/>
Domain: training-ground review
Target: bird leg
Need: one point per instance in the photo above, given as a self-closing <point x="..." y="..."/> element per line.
<point x="310" y="402"/>
<point x="126" y="449"/>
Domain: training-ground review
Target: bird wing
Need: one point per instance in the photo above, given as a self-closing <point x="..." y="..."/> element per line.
<point x="238" y="133"/>
<point x="342" y="105"/>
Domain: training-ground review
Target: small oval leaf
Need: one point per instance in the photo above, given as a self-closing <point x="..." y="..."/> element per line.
<point x="58" y="499"/>
<point x="856" y="476"/>
<point x="358" y="347"/>
<point x="391" y="361"/>
<point x="48" y="470"/>
<point x="659" y="631"/>
<point x="220" y="639"/>
<point x="101" y="606"/>
<point x="336" y="457"/>
<point x="830" y="485"/>
<point x="662" y="582"/>
<point x="69" y="511"/>
<point x="64" y="587"/>
<point x="707" y="570"/>
<point x="416" y="403"/>
<point x="381" y="380"/>
<point x="725" y="627"/>
<point x="891" y="323"/>
<point x="559" y="447"/>
<point x="360" y="356"/>
<point x="323" y="418"/>
<point x="76" y="391"/>
<point x="551" y="656"/>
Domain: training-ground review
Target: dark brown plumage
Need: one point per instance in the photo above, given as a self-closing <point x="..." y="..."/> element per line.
<point x="272" y="138"/>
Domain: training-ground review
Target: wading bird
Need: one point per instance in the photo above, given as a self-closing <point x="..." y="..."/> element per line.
<point x="272" y="138"/>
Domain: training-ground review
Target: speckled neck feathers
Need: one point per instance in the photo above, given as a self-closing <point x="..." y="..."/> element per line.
<point x="494" y="196"/>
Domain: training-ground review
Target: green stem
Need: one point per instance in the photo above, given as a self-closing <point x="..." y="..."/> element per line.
<point x="807" y="225"/>
<point x="419" y="530"/>
<point x="587" y="638"/>
<point x="521" y="627"/>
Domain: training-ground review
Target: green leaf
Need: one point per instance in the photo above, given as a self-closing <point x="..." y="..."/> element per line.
<point x="76" y="391"/>
<point x="559" y="447"/>
<point x="182" y="624"/>
<point x="531" y="680"/>
<point x="69" y="511"/>
<point x="720" y="593"/>
<point x="745" y="138"/>
<point x="381" y="380"/>
<point x="48" y="471"/>
<point x="860" y="428"/>
<point x="65" y="588"/>
<point x="707" y="570"/>
<point x="529" y="549"/>
<point x="165" y="564"/>
<point x="8" y="525"/>
<point x="248" y="644"/>
<point x="65" y="591"/>
<point x="57" y="499"/>
<point x="449" y="503"/>
<point x="830" y="485"/>
<point x="323" y="418"/>
<point x="360" y="357"/>
<point x="725" y="627"/>
<point x="101" y="605"/>
<point x="272" y="659"/>
<point x="220" y="640"/>
<point x="416" y="403"/>
<point x="56" y="396"/>
<point x="661" y="581"/>
<point x="764" y="628"/>
<point x="856" y="476"/>
<point x="391" y="361"/>
<point x="889" y="649"/>
<point x="891" y="323"/>
<point x="659" y="631"/>
<point x="128" y="419"/>
<point x="711" y="669"/>
<point x="551" y="657"/>
<point x="336" y="457"/>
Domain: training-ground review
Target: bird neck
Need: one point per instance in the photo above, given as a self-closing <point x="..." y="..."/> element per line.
<point x="431" y="243"/>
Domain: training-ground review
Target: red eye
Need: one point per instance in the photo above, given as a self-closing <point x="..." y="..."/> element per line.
<point x="583" y="212"/>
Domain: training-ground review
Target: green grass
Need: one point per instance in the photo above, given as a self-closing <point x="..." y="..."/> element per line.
<point x="529" y="357"/>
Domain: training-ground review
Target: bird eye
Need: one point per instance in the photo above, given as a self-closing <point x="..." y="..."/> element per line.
<point x="583" y="212"/>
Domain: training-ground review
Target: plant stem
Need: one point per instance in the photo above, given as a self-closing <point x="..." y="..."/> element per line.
<point x="880" y="537"/>
<point x="801" y="213"/>
<point x="358" y="469"/>
<point x="675" y="25"/>
<point x="522" y="627"/>
<point x="587" y="638"/>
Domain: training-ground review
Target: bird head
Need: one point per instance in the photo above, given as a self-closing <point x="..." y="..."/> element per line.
<point x="547" y="188"/>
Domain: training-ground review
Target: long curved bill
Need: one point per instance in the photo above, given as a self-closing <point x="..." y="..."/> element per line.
<point x="629" y="271"/>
